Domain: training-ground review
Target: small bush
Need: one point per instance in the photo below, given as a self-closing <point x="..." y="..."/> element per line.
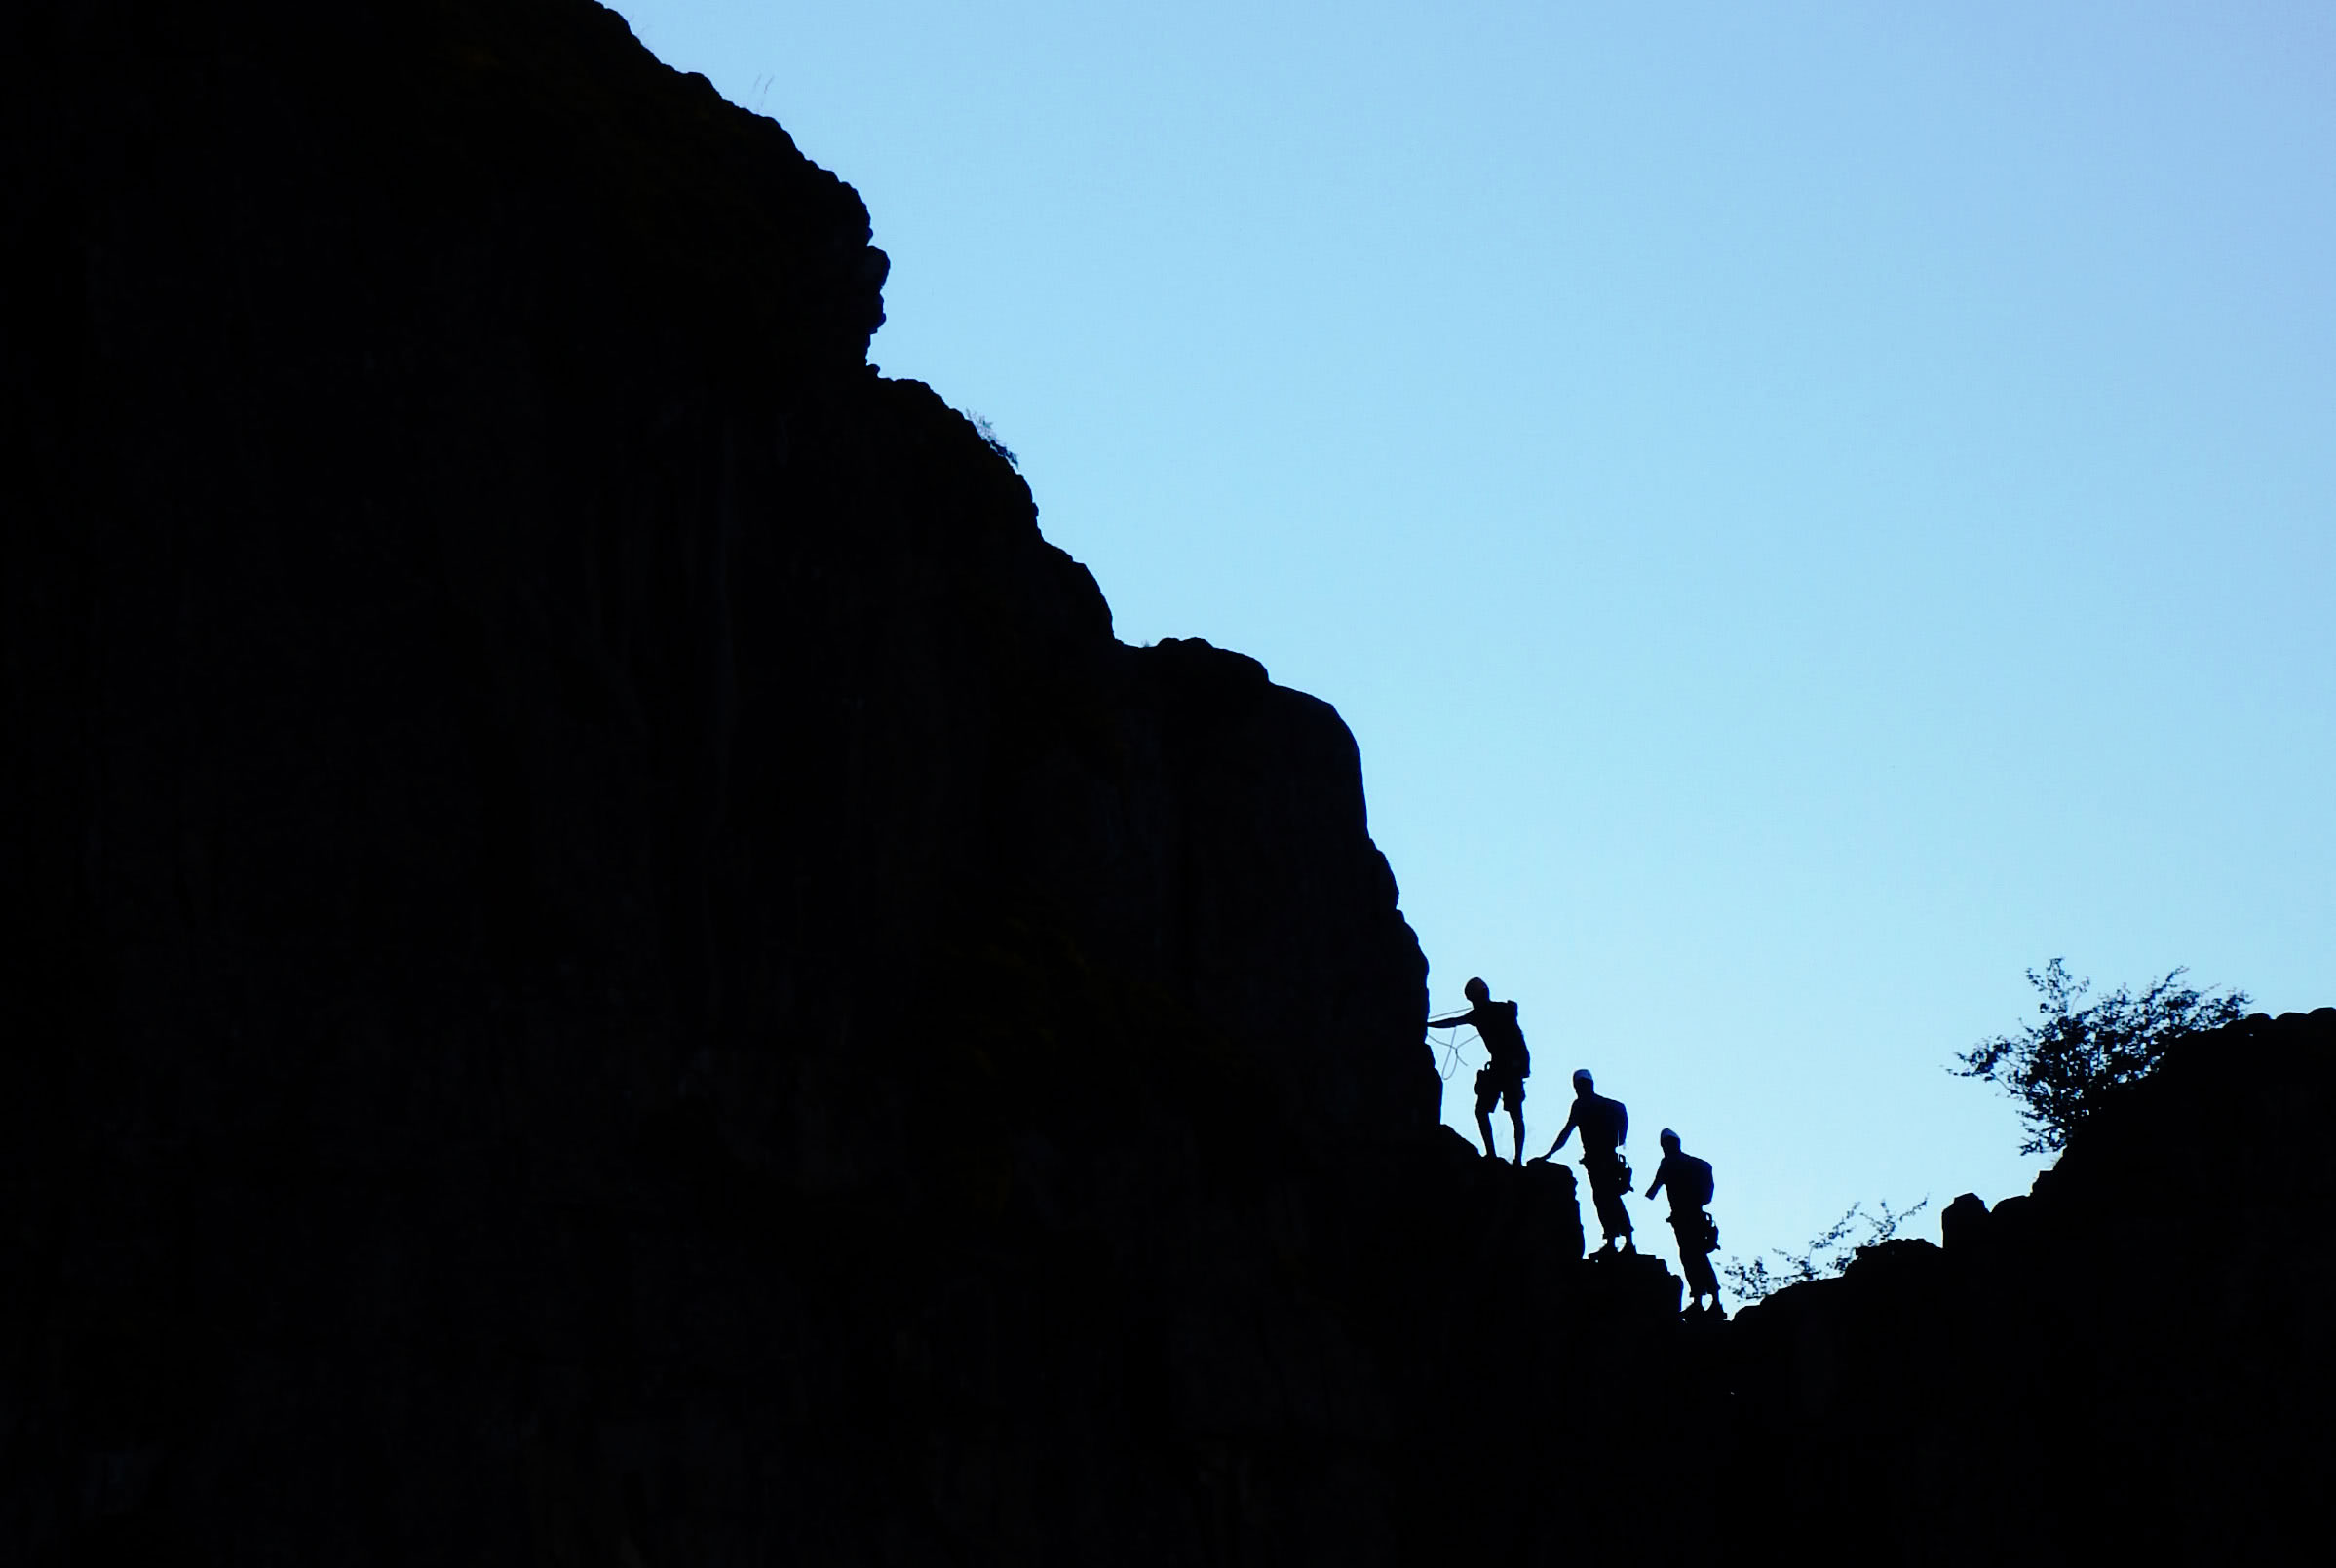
<point x="989" y="434"/>
<point x="1827" y="1253"/>
<point x="2061" y="1066"/>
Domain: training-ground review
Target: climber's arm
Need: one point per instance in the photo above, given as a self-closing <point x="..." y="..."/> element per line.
<point x="1564" y="1132"/>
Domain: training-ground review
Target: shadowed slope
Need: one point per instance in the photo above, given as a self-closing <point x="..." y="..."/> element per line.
<point x="613" y="965"/>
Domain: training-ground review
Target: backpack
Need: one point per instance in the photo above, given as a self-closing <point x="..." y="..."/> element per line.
<point x="1696" y="1188"/>
<point x="1525" y="1057"/>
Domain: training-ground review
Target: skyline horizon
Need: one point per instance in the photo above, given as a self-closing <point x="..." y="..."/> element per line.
<point x="1807" y="518"/>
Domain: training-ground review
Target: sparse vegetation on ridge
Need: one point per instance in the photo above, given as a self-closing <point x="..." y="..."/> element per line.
<point x="1828" y="1252"/>
<point x="2061" y="1066"/>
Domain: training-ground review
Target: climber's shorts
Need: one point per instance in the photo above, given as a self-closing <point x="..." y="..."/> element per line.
<point x="1491" y="1091"/>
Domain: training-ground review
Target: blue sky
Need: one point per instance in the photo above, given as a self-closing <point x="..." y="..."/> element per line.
<point x="1808" y="510"/>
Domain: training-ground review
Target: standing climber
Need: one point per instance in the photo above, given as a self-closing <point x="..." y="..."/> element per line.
<point x="1689" y="1180"/>
<point x="1504" y="1077"/>
<point x="1604" y="1124"/>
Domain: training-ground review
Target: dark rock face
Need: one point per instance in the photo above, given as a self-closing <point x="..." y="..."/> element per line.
<point x="610" y="964"/>
<point x="2131" y="1365"/>
<point x="610" y="953"/>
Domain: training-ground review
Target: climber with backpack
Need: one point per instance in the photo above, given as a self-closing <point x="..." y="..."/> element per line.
<point x="1689" y="1180"/>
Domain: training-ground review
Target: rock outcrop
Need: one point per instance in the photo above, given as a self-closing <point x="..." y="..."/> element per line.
<point x="2130" y="1364"/>
<point x="609" y="963"/>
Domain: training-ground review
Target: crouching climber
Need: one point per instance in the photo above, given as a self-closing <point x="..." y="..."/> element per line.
<point x="1504" y="1077"/>
<point x="1689" y="1181"/>
<point x="1604" y="1125"/>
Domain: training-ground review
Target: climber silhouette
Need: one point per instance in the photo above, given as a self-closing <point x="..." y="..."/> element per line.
<point x="1504" y="1077"/>
<point x="1689" y="1181"/>
<point x="1604" y="1124"/>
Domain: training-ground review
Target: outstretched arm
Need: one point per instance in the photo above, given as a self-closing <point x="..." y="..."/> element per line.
<point x="1566" y="1131"/>
<point x="1658" y="1186"/>
<point x="1455" y="1022"/>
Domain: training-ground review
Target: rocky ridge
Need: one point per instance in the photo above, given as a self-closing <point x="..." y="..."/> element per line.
<point x="611" y="963"/>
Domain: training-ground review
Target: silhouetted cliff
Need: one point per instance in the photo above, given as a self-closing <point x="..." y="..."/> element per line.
<point x="609" y="963"/>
